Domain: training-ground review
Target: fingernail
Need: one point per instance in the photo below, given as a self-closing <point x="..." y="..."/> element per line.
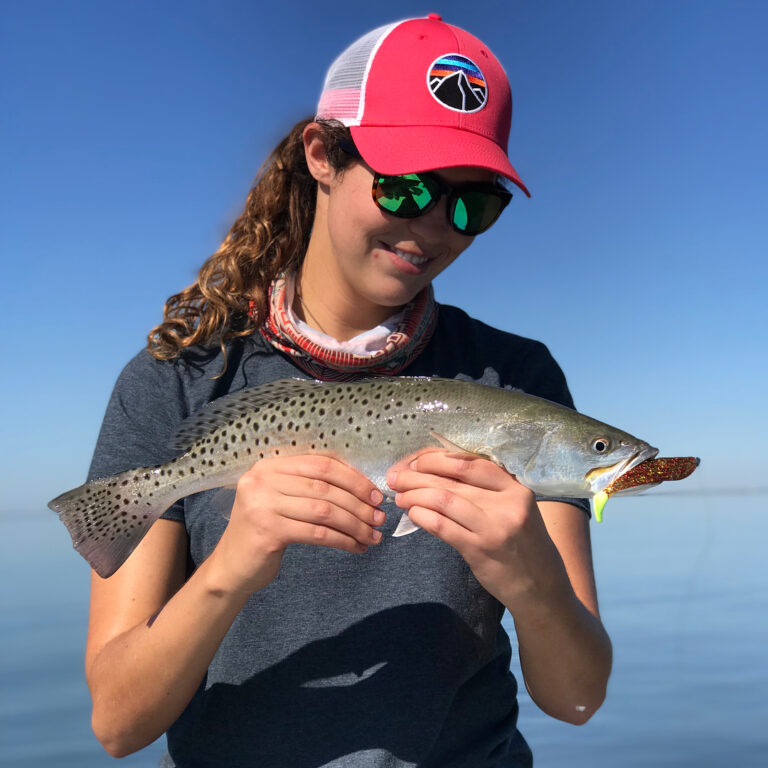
<point x="376" y="536"/>
<point x="377" y="496"/>
<point x="378" y="517"/>
<point x="412" y="465"/>
<point x="391" y="478"/>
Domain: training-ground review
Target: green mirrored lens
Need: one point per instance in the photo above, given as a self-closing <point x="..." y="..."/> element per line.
<point x="474" y="212"/>
<point x="406" y="195"/>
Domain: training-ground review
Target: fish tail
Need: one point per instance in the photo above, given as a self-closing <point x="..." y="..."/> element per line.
<point x="108" y="517"/>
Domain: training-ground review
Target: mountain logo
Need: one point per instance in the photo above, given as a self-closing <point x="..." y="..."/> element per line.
<point x="457" y="83"/>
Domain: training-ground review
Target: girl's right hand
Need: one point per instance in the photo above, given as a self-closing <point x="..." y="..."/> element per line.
<point x="305" y="499"/>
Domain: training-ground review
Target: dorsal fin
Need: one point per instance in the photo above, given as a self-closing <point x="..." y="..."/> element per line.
<point x="225" y="409"/>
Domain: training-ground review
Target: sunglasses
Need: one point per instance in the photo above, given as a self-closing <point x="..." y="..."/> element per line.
<point x="472" y="207"/>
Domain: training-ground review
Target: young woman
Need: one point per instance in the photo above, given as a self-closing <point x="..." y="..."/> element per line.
<point x="294" y="633"/>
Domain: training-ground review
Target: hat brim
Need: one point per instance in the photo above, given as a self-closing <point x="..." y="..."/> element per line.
<point x="394" y="150"/>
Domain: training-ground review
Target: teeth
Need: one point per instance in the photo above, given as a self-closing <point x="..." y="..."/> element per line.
<point x="410" y="258"/>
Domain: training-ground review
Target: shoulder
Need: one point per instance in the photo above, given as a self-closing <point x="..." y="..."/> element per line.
<point x="475" y="349"/>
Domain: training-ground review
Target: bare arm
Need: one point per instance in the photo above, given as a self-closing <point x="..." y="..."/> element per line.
<point x="565" y="652"/>
<point x="536" y="562"/>
<point x="152" y="635"/>
<point x="151" y="638"/>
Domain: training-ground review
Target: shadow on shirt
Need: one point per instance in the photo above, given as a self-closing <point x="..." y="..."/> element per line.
<point x="409" y="681"/>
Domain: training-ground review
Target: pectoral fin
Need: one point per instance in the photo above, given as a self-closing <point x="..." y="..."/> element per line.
<point x="446" y="443"/>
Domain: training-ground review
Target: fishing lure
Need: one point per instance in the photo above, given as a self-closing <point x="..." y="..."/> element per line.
<point x="645" y="475"/>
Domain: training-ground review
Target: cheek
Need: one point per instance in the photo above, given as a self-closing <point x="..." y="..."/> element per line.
<point x="354" y="217"/>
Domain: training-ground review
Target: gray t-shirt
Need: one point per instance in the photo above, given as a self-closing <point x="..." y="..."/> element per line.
<point x="392" y="658"/>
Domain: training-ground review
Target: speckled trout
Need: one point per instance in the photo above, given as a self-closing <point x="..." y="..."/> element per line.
<point x="370" y="425"/>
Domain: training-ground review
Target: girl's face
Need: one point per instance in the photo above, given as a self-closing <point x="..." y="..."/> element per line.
<point x="372" y="258"/>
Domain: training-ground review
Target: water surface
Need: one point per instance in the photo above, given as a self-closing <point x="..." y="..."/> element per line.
<point x="683" y="590"/>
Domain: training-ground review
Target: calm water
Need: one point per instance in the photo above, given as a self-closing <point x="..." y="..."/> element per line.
<point x="684" y="593"/>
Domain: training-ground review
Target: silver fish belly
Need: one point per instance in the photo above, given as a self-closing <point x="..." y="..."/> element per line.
<point x="370" y="425"/>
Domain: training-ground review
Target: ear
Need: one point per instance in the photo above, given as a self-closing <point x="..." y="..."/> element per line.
<point x="314" y="151"/>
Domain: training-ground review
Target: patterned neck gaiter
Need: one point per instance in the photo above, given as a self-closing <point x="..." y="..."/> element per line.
<point x="402" y="345"/>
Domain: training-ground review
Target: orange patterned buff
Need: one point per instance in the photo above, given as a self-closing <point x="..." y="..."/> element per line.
<point x="646" y="475"/>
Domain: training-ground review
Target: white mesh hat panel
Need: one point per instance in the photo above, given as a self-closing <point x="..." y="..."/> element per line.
<point x="343" y="96"/>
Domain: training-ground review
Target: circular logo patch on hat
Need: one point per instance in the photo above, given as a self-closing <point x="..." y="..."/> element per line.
<point x="457" y="83"/>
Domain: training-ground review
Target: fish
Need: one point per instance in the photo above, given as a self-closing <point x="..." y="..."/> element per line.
<point x="643" y="476"/>
<point x="369" y="424"/>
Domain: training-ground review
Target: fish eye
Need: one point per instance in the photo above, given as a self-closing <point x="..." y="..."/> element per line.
<point x="601" y="444"/>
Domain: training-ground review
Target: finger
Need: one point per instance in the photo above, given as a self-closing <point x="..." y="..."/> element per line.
<point x="473" y="470"/>
<point x="309" y="488"/>
<point x="301" y="532"/>
<point x="408" y="479"/>
<point x="334" y="472"/>
<point x="447" y="503"/>
<point x="405" y="462"/>
<point x="323" y="513"/>
<point x="442" y="527"/>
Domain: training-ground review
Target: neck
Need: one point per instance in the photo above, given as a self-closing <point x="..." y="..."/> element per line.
<point x="325" y="303"/>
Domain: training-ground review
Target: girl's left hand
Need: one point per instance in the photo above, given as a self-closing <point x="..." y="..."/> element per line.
<point x="487" y="516"/>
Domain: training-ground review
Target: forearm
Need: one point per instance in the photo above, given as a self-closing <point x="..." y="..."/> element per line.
<point x="142" y="680"/>
<point x="565" y="653"/>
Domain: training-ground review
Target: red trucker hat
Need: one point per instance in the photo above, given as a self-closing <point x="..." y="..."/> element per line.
<point x="419" y="95"/>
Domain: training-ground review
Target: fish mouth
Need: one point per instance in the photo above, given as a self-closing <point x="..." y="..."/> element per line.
<point x="601" y="477"/>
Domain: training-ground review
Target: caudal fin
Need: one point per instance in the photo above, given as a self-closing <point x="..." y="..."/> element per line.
<point x="106" y="519"/>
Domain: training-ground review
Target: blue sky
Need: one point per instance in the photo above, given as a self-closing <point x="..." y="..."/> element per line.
<point x="130" y="133"/>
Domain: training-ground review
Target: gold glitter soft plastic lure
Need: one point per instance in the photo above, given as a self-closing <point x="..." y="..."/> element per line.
<point x="645" y="475"/>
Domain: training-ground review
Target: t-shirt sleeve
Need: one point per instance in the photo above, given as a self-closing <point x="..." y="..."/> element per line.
<point x="146" y="406"/>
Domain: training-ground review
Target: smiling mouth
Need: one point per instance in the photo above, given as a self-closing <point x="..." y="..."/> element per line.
<point x="411" y="258"/>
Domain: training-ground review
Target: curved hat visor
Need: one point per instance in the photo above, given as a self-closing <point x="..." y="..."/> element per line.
<point x="394" y="150"/>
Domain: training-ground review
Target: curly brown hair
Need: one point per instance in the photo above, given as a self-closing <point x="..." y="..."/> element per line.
<point x="269" y="237"/>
